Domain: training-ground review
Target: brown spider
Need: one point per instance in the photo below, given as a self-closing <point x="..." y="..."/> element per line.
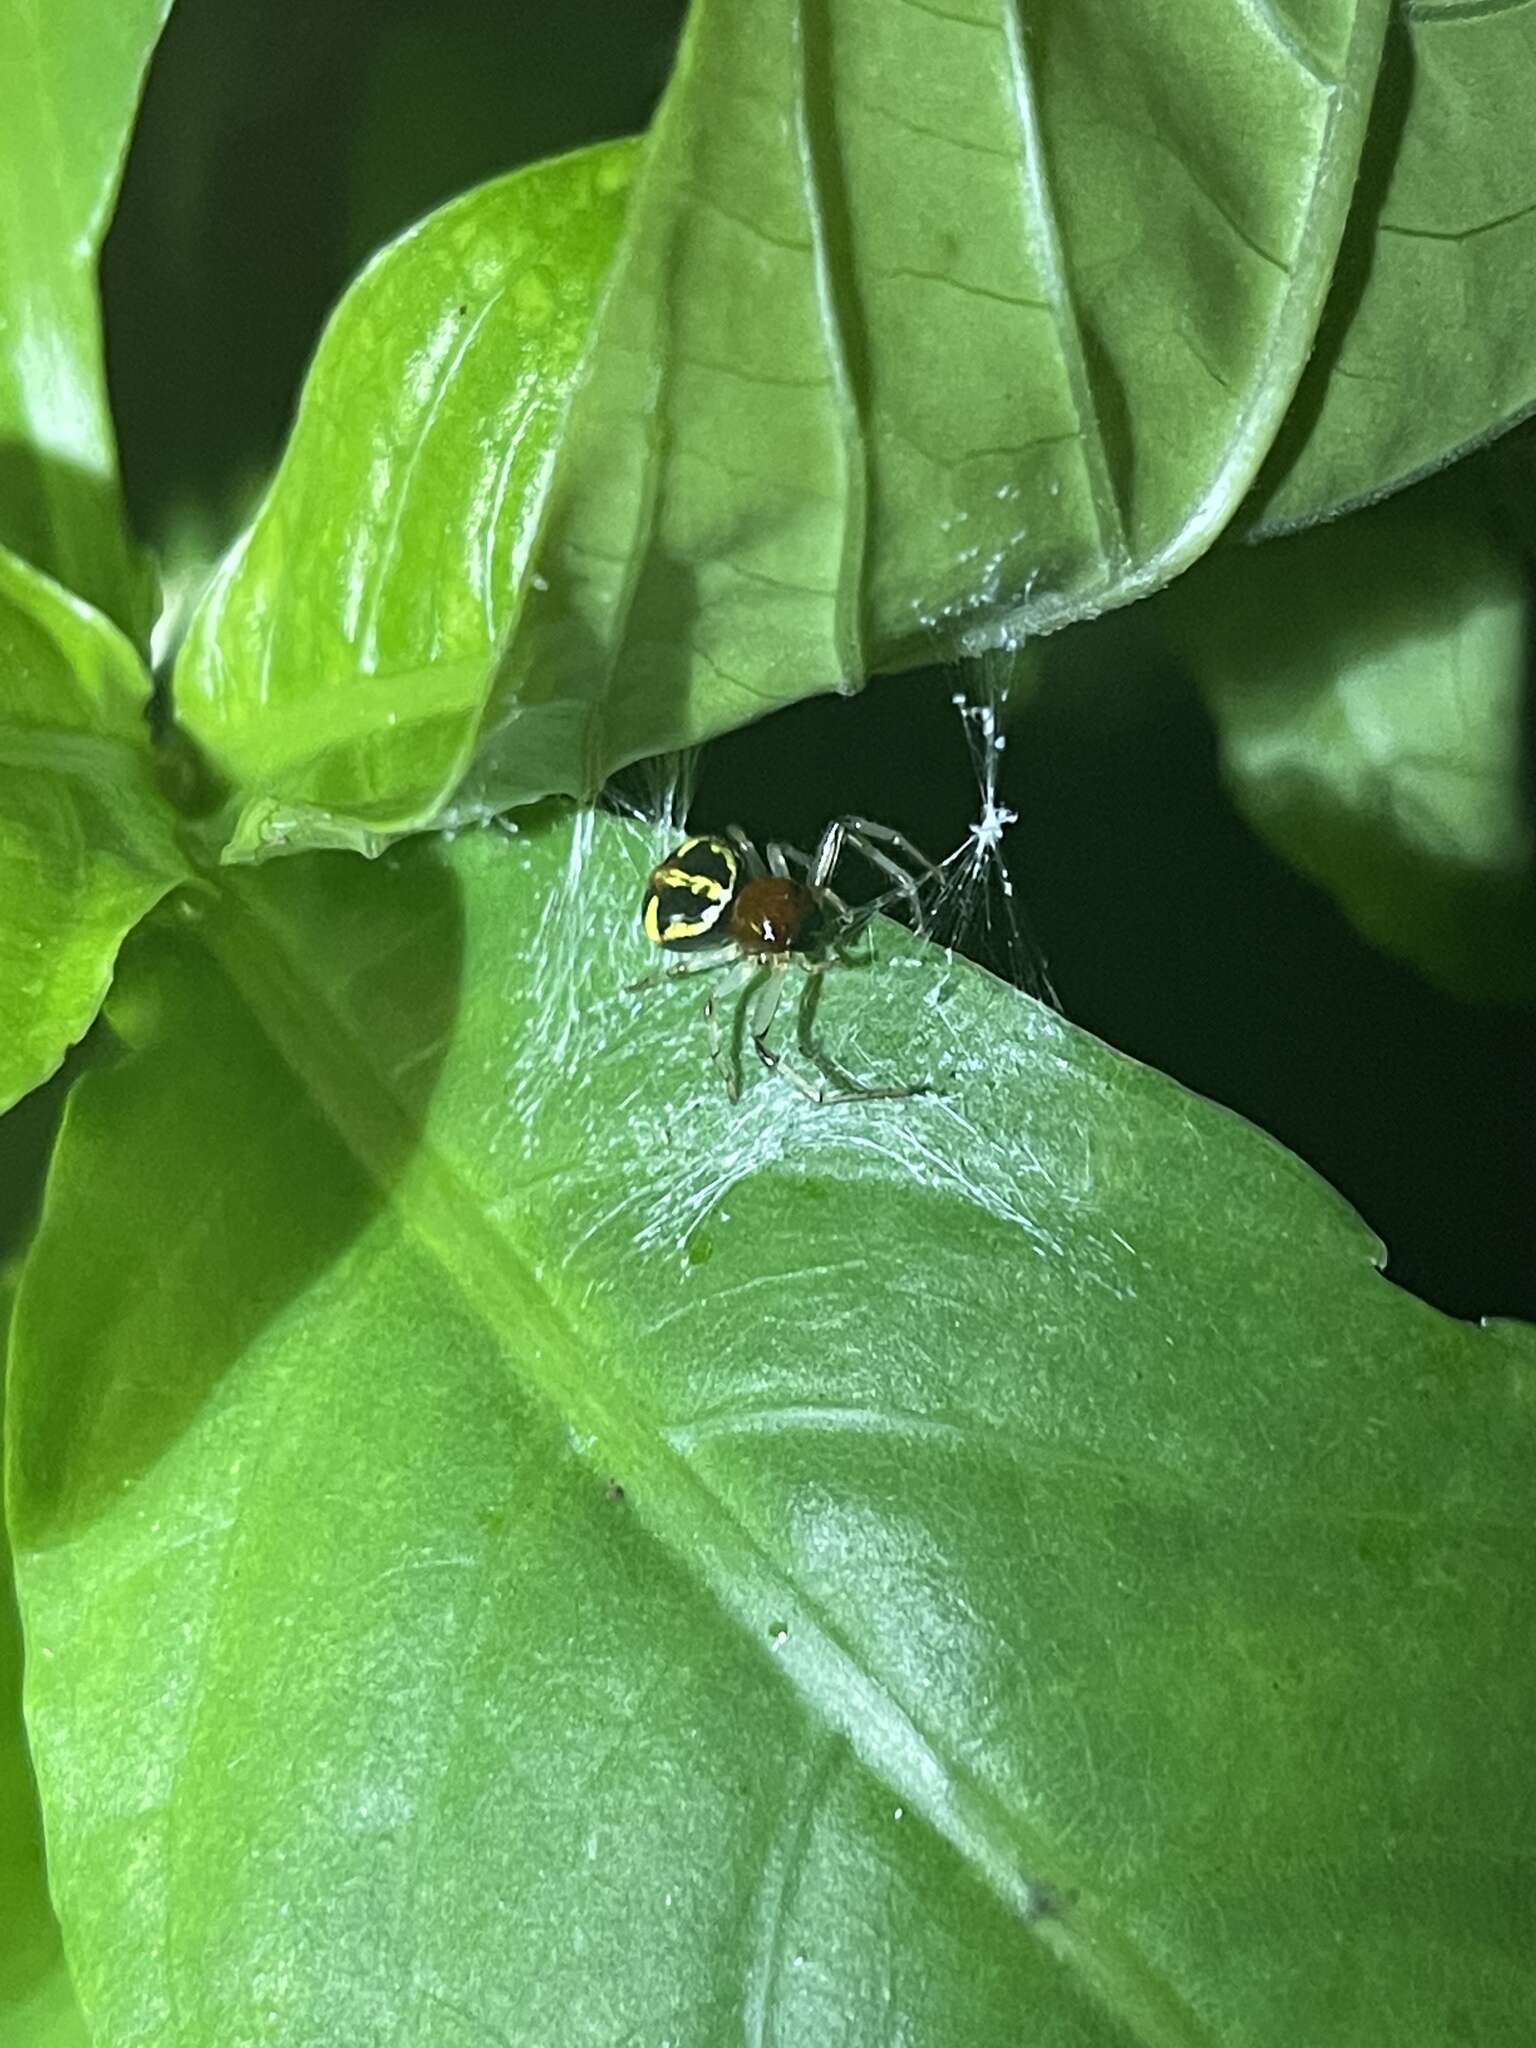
<point x="721" y="902"/>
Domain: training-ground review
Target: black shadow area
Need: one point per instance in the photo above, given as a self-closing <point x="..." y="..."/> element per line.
<point x="27" y="1132"/>
<point x="44" y="500"/>
<point x="1174" y="932"/>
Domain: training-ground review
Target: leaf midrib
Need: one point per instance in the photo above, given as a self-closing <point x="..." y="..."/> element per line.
<point x="1108" y="512"/>
<point x="335" y="1067"/>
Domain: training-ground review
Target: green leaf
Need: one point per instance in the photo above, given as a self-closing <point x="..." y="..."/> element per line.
<point x="87" y="844"/>
<point x="1368" y="682"/>
<point x="37" y="2001"/>
<point x="516" y="1548"/>
<point x="917" y="308"/>
<point x="933" y="325"/>
<point x="72" y="70"/>
<point x="336" y="668"/>
<point x="1428" y="345"/>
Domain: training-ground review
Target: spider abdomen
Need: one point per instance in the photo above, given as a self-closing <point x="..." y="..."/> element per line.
<point x="688" y="896"/>
<point x="773" y="915"/>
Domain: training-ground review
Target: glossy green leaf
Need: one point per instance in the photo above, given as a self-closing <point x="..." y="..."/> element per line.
<point x="932" y="324"/>
<point x="1428" y="345"/>
<point x="37" y="2002"/>
<point x="71" y="72"/>
<point x="917" y="310"/>
<point x="1369" y="685"/>
<point x="87" y="844"/>
<point x="336" y="668"/>
<point x="515" y="1548"/>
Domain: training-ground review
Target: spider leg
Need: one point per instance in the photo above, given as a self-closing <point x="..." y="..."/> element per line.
<point x="837" y="1085"/>
<point x="872" y="840"/>
<point x="829" y="851"/>
<point x="718" y="1051"/>
<point x="701" y="963"/>
<point x="760" y="1017"/>
<point x="751" y="859"/>
<point x="722" y="1052"/>
<point x="866" y="828"/>
<point x="782" y="858"/>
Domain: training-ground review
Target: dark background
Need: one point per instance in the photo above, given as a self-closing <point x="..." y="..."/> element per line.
<point x="283" y="140"/>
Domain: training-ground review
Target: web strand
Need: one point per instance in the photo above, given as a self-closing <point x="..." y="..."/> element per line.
<point x="976" y="909"/>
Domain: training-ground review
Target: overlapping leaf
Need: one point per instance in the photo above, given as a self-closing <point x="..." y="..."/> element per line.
<point x="916" y="309"/>
<point x="921" y="309"/>
<point x="37" y="2002"/>
<point x="335" y="671"/>
<point x="552" y="1556"/>
<point x="1428" y="345"/>
<point x="72" y="70"/>
<point x="1369" y="684"/>
<point x="87" y="844"/>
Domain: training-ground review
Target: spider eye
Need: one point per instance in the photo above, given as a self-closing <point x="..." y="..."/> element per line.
<point x="689" y="893"/>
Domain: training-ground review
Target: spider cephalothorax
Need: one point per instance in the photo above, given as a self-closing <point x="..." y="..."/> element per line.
<point x="772" y="915"/>
<point x="717" y="898"/>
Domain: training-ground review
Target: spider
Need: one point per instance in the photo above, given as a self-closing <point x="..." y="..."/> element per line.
<point x="721" y="902"/>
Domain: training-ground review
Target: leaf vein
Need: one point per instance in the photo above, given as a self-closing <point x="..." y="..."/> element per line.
<point x="1482" y="227"/>
<point x="368" y="631"/>
<point x="975" y="291"/>
<point x="1039" y="202"/>
<point x="340" y="1075"/>
<point x="819" y="169"/>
